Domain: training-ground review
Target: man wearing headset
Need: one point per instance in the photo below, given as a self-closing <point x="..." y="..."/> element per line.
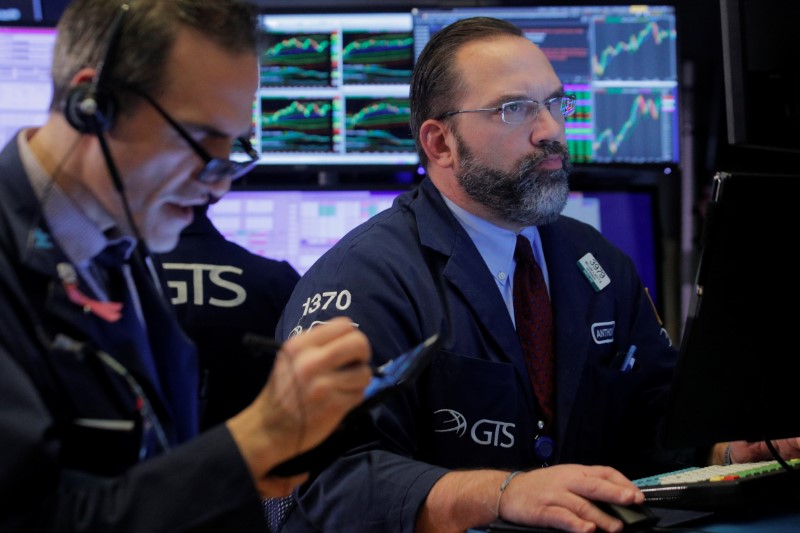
<point x="98" y="384"/>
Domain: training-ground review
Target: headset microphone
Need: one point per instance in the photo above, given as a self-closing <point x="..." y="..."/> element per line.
<point x="90" y="107"/>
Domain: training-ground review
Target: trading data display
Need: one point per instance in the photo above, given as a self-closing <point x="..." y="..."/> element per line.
<point x="296" y="226"/>
<point x="334" y="90"/>
<point x="301" y="225"/>
<point x="620" y="61"/>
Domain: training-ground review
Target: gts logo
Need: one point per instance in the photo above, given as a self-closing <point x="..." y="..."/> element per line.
<point x="484" y="432"/>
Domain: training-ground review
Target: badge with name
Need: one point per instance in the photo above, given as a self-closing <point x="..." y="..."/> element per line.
<point x="594" y="272"/>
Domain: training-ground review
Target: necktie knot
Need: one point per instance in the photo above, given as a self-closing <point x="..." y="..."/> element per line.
<point x="111" y="261"/>
<point x="523" y="251"/>
<point x="114" y="255"/>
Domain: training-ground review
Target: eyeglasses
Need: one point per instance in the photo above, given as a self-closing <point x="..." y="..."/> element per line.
<point x="519" y="111"/>
<point x="216" y="169"/>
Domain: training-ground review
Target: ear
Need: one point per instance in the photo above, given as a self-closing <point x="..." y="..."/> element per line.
<point x="84" y="75"/>
<point x="438" y="143"/>
<point x="88" y="107"/>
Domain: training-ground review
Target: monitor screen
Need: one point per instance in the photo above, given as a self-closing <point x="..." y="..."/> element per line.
<point x="299" y="226"/>
<point x="620" y="61"/>
<point x="760" y="59"/>
<point x="736" y="378"/>
<point x="25" y="87"/>
<point x="334" y="90"/>
<point x="629" y="219"/>
<point x="20" y="10"/>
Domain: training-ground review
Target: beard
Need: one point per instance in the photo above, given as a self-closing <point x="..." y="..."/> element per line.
<point x="524" y="196"/>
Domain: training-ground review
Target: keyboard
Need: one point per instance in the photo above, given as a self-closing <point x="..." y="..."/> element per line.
<point x="718" y="487"/>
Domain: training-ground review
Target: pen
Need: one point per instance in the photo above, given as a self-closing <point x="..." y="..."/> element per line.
<point x="627" y="363"/>
<point x="259" y="342"/>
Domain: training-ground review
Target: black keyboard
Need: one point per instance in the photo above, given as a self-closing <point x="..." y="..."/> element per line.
<point x="718" y="487"/>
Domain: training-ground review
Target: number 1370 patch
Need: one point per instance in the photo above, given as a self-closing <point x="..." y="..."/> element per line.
<point x="341" y="300"/>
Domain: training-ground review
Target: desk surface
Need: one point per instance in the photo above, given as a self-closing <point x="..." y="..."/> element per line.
<point x="782" y="520"/>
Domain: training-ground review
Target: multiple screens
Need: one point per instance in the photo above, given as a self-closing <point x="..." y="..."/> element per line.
<point x="621" y="62"/>
<point x="334" y="87"/>
<point x="334" y="90"/>
<point x="299" y="226"/>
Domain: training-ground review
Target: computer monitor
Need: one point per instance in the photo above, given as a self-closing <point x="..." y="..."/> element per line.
<point x="629" y="218"/>
<point x="334" y="91"/>
<point x="25" y="86"/>
<point x="621" y="62"/>
<point x="295" y="225"/>
<point x="762" y="84"/>
<point x="736" y="378"/>
<point x="300" y="225"/>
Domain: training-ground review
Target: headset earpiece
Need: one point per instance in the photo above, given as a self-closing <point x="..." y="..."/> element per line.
<point x="89" y="109"/>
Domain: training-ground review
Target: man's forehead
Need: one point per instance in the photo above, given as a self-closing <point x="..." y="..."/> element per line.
<point x="507" y="65"/>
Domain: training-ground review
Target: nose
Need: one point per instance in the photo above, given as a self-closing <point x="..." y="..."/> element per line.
<point x="219" y="188"/>
<point x="547" y="128"/>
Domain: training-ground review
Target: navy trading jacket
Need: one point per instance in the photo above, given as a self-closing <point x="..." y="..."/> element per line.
<point x="71" y="430"/>
<point x="474" y="406"/>
<point x="222" y="292"/>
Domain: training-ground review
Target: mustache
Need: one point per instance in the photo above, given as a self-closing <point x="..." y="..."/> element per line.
<point x="530" y="161"/>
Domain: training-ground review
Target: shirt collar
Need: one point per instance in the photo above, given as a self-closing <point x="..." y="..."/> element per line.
<point x="495" y="244"/>
<point x="78" y="236"/>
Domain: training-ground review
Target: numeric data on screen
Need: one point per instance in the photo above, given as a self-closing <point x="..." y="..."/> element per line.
<point x="334" y="89"/>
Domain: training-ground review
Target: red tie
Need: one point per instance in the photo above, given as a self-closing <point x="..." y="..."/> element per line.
<point x="534" y="319"/>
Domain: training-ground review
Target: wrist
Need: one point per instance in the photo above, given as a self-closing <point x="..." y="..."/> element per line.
<point x="728" y="460"/>
<point x="503" y="488"/>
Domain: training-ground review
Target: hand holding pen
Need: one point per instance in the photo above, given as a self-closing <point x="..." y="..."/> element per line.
<point x="317" y="379"/>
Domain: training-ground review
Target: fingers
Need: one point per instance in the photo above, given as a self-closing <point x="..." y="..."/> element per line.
<point x="337" y="334"/>
<point x="564" y="497"/>
<point x="317" y="378"/>
<point x="748" y="452"/>
<point x="336" y="345"/>
<point x="604" y="483"/>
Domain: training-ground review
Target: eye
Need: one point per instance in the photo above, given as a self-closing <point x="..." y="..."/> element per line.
<point x="513" y="107"/>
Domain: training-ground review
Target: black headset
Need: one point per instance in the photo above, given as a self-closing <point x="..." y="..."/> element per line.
<point x="90" y="107"/>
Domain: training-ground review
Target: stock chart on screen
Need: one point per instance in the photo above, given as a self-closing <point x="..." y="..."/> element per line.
<point x="620" y="61"/>
<point x="334" y="90"/>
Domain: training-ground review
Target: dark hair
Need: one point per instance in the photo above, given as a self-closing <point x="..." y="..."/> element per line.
<point x="436" y="86"/>
<point x="147" y="34"/>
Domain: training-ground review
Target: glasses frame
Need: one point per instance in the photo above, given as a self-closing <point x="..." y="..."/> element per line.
<point x="215" y="169"/>
<point x="571" y="98"/>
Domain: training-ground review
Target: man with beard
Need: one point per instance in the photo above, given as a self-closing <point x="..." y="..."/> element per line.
<point x="466" y="443"/>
